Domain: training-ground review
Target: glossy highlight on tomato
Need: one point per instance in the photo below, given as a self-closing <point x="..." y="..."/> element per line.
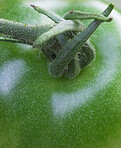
<point x="37" y="110"/>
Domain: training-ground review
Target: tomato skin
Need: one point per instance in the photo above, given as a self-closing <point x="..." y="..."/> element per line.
<point x="37" y="110"/>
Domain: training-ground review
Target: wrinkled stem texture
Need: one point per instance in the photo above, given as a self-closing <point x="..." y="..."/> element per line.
<point x="26" y="33"/>
<point x="56" y="18"/>
<point x="72" y="48"/>
<point x="39" y="36"/>
<point x="83" y="15"/>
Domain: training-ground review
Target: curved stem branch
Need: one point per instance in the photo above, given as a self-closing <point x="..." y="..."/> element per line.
<point x="69" y="51"/>
<point x="56" y="18"/>
<point x="84" y="15"/>
<point x="58" y="29"/>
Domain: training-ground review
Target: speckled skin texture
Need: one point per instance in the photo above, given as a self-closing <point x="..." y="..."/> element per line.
<point x="37" y="110"/>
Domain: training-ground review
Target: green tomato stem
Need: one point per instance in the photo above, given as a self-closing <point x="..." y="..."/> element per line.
<point x="56" y="18"/>
<point x="25" y="33"/>
<point x="10" y="40"/>
<point x="73" y="68"/>
<point x="39" y="35"/>
<point x="73" y="15"/>
<point x="69" y="51"/>
<point x="58" y="29"/>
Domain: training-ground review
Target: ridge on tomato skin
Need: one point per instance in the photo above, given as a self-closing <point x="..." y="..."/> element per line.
<point x="37" y="110"/>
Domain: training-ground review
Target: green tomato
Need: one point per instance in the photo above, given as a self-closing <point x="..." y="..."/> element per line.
<point x="37" y="110"/>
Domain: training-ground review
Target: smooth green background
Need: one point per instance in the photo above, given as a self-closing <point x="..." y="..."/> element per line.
<point x="117" y="3"/>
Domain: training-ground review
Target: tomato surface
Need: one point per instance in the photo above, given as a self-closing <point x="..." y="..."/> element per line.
<point x="37" y="110"/>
